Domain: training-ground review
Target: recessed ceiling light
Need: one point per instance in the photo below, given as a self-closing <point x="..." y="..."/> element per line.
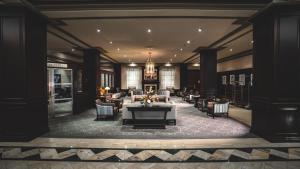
<point x="175" y="55"/>
<point x="188" y="42"/>
<point x="199" y="30"/>
<point x="73" y="50"/>
<point x="118" y="49"/>
<point x="230" y="49"/>
<point x="98" y="30"/>
<point x="252" y="41"/>
<point x="110" y="42"/>
<point x="149" y="30"/>
<point x="181" y="49"/>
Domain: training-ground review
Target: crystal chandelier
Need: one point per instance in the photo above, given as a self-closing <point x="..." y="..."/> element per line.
<point x="149" y="66"/>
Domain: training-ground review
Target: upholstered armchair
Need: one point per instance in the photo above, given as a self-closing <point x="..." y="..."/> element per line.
<point x="130" y="89"/>
<point x="163" y="95"/>
<point x="105" y="110"/>
<point x="190" y="97"/>
<point x="171" y="89"/>
<point x="218" y="108"/>
<point x="137" y="94"/>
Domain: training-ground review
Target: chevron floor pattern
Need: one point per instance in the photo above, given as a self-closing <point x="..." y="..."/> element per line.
<point x="150" y="155"/>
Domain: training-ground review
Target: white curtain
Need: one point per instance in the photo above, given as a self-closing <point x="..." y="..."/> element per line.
<point x="167" y="77"/>
<point x="134" y="77"/>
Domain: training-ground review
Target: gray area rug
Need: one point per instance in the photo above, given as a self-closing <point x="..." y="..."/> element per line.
<point x="191" y="123"/>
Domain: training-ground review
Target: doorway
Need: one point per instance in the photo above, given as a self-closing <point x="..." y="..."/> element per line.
<point x="60" y="92"/>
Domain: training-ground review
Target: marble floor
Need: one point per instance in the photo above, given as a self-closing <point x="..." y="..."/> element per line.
<point x="235" y="153"/>
<point x="108" y="165"/>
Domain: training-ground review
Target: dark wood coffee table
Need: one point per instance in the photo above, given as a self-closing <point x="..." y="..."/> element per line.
<point x="149" y="123"/>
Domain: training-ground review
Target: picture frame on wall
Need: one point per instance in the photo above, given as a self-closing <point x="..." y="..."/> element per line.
<point x="242" y="79"/>
<point x="232" y="79"/>
<point x="224" y="80"/>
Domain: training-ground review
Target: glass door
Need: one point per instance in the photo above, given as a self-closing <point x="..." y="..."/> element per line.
<point x="60" y="92"/>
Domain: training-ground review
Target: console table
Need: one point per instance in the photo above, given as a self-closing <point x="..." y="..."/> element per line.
<point x="149" y="123"/>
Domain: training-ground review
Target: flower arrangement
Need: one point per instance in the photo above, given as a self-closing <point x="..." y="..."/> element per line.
<point x="148" y="99"/>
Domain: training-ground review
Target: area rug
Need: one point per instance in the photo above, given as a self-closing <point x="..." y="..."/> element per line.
<point x="191" y="123"/>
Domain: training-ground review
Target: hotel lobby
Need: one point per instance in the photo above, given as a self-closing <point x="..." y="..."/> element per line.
<point x="149" y="84"/>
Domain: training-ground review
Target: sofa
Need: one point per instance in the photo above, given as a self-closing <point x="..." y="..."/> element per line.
<point x="127" y="116"/>
<point x="162" y="95"/>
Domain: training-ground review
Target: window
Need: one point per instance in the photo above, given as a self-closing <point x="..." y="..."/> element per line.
<point x="106" y="80"/>
<point x="167" y="77"/>
<point x="134" y="78"/>
<point x="102" y="80"/>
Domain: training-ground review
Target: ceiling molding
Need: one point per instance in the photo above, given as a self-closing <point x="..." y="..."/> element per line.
<point x="108" y="58"/>
<point x="243" y="34"/>
<point x="61" y="37"/>
<point x="191" y="57"/>
<point x="71" y="35"/>
<point x="65" y="60"/>
<point x="245" y="25"/>
<point x="153" y="17"/>
<point x="196" y="4"/>
<point x="236" y="56"/>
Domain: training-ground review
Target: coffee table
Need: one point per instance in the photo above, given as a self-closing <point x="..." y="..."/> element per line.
<point x="149" y="123"/>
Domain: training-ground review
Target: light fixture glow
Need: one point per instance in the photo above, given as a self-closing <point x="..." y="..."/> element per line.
<point x="132" y="64"/>
<point x="188" y="42"/>
<point x="252" y="41"/>
<point x="230" y="49"/>
<point x="149" y="30"/>
<point x="118" y="49"/>
<point x="181" y="49"/>
<point x="196" y="64"/>
<point x="175" y="55"/>
<point x="168" y="64"/>
<point x="149" y="66"/>
<point x="73" y="50"/>
<point x="199" y="30"/>
<point x="110" y="42"/>
<point x="98" y="30"/>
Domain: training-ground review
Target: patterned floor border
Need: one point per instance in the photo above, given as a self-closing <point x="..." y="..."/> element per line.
<point x="150" y="155"/>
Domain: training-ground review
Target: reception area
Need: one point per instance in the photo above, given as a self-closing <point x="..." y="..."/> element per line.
<point x="173" y="84"/>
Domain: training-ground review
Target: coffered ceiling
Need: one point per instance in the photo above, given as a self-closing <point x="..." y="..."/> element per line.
<point x="175" y="33"/>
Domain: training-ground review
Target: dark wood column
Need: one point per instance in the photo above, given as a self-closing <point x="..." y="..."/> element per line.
<point x="276" y="59"/>
<point x="117" y="71"/>
<point x="92" y="73"/>
<point x="23" y="73"/>
<point x="183" y="76"/>
<point x="208" y="72"/>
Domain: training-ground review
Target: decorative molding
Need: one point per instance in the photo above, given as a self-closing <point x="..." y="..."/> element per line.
<point x="236" y="56"/>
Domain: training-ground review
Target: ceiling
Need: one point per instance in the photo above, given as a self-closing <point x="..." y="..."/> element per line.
<point x="126" y="30"/>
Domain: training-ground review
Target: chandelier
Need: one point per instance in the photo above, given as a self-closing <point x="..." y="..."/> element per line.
<point x="149" y="66"/>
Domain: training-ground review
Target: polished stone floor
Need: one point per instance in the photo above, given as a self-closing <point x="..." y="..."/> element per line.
<point x="95" y="165"/>
<point x="239" y="153"/>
